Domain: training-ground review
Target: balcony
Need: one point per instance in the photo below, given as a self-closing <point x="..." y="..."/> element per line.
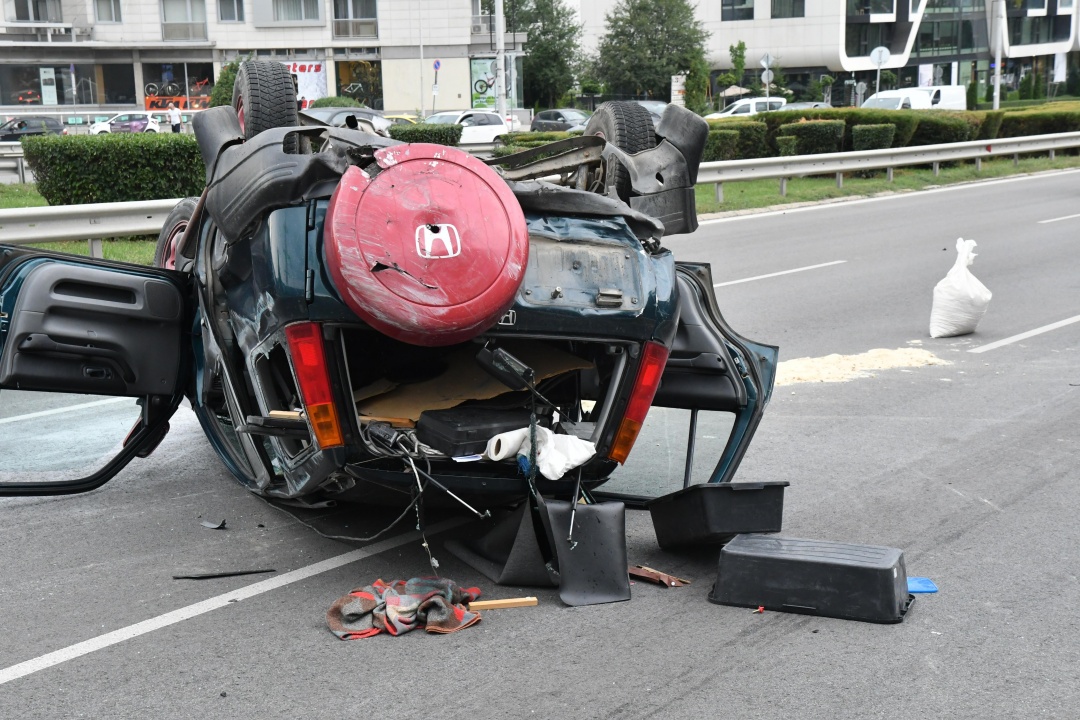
<point x="44" y="32"/>
<point x="482" y="24"/>
<point x="362" y="28"/>
<point x="183" y="31"/>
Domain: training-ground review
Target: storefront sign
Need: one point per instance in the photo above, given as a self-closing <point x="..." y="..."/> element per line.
<point x="310" y="80"/>
<point x="483" y="82"/>
<point x="48" y="85"/>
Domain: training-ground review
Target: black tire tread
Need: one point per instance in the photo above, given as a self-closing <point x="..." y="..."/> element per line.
<point x="629" y="127"/>
<point x="269" y="98"/>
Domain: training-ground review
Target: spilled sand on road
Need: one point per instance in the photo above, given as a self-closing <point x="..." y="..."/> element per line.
<point x="841" y="368"/>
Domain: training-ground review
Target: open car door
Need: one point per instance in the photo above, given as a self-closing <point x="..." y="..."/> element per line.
<point x="711" y="367"/>
<point x="93" y="362"/>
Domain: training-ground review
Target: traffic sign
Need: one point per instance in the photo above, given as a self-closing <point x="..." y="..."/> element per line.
<point x="767" y="76"/>
<point x="437" y="64"/>
<point x="435" y="89"/>
<point x="879" y="55"/>
<point x="767" y="60"/>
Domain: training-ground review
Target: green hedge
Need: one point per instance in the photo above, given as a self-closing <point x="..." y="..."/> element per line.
<point x="936" y="127"/>
<point x="1046" y="122"/>
<point x="337" y="101"/>
<point x="991" y="125"/>
<point x="904" y="120"/>
<point x="787" y="145"/>
<point x="532" y="139"/>
<point x="751" y="136"/>
<point x="78" y="169"/>
<point x="872" y="137"/>
<point x="427" y="133"/>
<point x="814" y="137"/>
<point x="721" y="145"/>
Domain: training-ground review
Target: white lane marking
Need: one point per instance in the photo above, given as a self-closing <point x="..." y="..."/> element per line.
<point x="782" y="272"/>
<point x="68" y="408"/>
<point x="1025" y="335"/>
<point x="186" y="613"/>
<point x="1066" y="217"/>
<point x="861" y="201"/>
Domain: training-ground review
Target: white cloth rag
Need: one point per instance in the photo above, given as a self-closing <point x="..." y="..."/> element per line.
<point x="555" y="454"/>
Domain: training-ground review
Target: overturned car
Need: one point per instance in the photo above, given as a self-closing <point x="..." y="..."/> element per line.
<point x="359" y="318"/>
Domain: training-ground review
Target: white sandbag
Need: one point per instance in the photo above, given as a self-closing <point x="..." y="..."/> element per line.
<point x="960" y="300"/>
<point x="556" y="455"/>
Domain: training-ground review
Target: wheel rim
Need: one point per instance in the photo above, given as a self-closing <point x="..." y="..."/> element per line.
<point x="169" y="260"/>
<point x="240" y="113"/>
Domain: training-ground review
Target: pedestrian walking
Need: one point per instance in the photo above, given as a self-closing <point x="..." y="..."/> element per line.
<point x="174" y="118"/>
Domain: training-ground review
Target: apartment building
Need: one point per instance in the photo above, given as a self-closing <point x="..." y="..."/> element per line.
<point x="930" y="41"/>
<point x="145" y="53"/>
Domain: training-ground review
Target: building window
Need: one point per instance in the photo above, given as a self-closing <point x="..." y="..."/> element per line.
<point x="108" y="11"/>
<point x="863" y="38"/>
<point x="230" y="10"/>
<point x="183" y="20"/>
<point x="296" y="10"/>
<point x="871" y="7"/>
<point x="736" y="9"/>
<point x="788" y="8"/>
<point x="355" y="19"/>
<point x="33" y="11"/>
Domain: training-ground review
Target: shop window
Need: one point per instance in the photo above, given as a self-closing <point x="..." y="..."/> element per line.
<point x="362" y="81"/>
<point x="788" y="8"/>
<point x="285" y="10"/>
<point x="736" y="9"/>
<point x="108" y="11"/>
<point x="231" y="10"/>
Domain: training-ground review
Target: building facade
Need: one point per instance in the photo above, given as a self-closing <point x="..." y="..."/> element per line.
<point x="929" y="41"/>
<point x="146" y="53"/>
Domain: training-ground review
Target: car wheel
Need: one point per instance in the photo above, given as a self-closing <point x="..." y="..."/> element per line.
<point x="169" y="237"/>
<point x="151" y="131"/>
<point x="264" y="97"/>
<point x="629" y="127"/>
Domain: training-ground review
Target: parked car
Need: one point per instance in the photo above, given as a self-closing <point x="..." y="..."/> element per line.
<point x="348" y="322"/>
<point x="748" y="107"/>
<point x="18" y="128"/>
<point x="559" y="120"/>
<point x="477" y="126"/>
<point x="906" y="99"/>
<point x="655" y="107"/>
<point x="339" y="117"/>
<point x="815" y="105"/>
<point x="127" y="123"/>
<point x="401" y="119"/>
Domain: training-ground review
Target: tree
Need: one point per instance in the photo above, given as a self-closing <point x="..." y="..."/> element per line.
<point x="552" y="48"/>
<point x="737" y="53"/>
<point x="222" y="92"/>
<point x="646" y="42"/>
<point x="697" y="87"/>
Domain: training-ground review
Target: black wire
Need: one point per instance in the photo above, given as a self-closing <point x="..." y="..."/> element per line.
<point x="351" y="538"/>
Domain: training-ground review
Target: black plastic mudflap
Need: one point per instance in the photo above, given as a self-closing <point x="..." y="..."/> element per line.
<point x="813" y="577"/>
<point x="711" y="513"/>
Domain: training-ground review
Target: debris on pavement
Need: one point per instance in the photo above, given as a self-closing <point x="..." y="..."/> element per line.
<point x="214" y="525"/>
<point x="960" y="300"/>
<point x="435" y="604"/>
<point x="842" y="368"/>
<point x="655" y="576"/>
<point x="503" y="604"/>
<point x="921" y="585"/>
<point x="221" y="574"/>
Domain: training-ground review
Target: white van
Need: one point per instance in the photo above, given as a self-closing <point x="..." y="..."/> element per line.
<point x="748" y="106"/>
<point x="947" y="97"/>
<point x="906" y="99"/>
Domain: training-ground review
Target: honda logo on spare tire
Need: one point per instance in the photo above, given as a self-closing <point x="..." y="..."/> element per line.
<point x="437" y="241"/>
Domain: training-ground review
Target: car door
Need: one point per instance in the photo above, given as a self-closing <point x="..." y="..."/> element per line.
<point x="94" y="359"/>
<point x="471" y="131"/>
<point x="713" y="368"/>
<point x="121" y="123"/>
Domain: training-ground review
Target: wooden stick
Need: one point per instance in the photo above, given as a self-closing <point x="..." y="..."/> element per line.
<point x="501" y="604"/>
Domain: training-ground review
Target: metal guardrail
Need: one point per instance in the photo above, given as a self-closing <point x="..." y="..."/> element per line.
<point x="103" y="220"/>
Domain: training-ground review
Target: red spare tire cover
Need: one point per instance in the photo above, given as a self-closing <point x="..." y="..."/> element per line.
<point x="431" y="249"/>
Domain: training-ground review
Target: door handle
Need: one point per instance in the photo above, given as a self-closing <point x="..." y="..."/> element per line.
<point x="44" y="344"/>
<point x="701" y="361"/>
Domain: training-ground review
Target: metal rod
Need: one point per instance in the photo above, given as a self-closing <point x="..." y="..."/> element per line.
<point x="691" y="443"/>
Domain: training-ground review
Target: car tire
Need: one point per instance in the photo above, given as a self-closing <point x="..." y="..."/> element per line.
<point x="628" y="126"/>
<point x="264" y="97"/>
<point x="175" y="225"/>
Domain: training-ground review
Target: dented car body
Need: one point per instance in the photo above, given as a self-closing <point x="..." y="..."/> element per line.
<point x="331" y="316"/>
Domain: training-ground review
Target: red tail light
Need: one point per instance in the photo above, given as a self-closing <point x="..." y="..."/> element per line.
<point x="653" y="359"/>
<point x="309" y="363"/>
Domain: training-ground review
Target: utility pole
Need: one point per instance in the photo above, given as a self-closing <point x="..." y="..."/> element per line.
<point x="500" y="59"/>
<point x="420" y="24"/>
<point x="997" y="39"/>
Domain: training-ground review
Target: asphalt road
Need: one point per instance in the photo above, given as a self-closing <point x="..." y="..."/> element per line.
<point x="969" y="467"/>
